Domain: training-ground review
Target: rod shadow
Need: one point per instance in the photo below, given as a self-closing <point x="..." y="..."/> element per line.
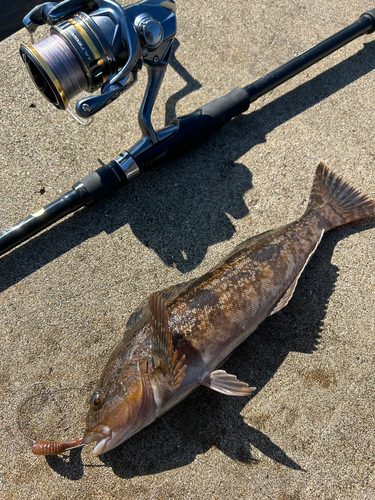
<point x="206" y="418"/>
<point x="179" y="212"/>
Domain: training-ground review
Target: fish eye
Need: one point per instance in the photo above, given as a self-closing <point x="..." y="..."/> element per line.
<point x="97" y="400"/>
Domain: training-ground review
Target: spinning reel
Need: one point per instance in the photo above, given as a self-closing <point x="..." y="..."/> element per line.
<point x="97" y="44"/>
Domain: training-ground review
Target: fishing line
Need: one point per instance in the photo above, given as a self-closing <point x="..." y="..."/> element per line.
<point x="63" y="64"/>
<point x="30" y="412"/>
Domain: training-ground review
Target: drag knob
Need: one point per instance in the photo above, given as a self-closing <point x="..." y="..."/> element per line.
<point x="150" y="30"/>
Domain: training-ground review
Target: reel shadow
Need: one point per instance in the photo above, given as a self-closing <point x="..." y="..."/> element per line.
<point x="191" y="85"/>
<point x="207" y="419"/>
<point x="192" y="214"/>
<point x="180" y="212"/>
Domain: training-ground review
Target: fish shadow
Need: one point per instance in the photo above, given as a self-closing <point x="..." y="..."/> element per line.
<point x="207" y="419"/>
<point x="180" y="212"/>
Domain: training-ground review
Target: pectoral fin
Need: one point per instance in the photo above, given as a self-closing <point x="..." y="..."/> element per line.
<point x="221" y="381"/>
<point x="163" y="355"/>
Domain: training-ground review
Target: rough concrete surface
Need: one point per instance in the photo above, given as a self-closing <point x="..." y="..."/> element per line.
<point x="308" y="432"/>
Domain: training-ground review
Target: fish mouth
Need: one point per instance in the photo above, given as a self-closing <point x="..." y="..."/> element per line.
<point x="102" y="446"/>
<point x="105" y="437"/>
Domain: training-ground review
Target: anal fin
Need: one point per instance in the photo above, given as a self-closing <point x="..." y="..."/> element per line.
<point x="287" y="296"/>
<point x="223" y="382"/>
<point x="289" y="293"/>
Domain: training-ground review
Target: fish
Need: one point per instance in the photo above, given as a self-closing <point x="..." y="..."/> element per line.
<point x="179" y="337"/>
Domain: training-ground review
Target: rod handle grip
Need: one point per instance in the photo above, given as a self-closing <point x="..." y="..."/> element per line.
<point x="197" y="127"/>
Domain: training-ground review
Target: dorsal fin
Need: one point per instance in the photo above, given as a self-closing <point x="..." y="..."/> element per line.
<point x="173" y="291"/>
<point x="163" y="355"/>
<point x="141" y="314"/>
<point x="245" y="244"/>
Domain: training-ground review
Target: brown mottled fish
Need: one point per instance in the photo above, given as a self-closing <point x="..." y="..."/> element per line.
<point x="179" y="337"/>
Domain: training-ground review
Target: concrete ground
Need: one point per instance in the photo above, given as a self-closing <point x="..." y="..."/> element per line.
<point x="308" y="432"/>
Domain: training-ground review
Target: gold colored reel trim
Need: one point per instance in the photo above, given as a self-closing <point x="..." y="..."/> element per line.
<point x="50" y="74"/>
<point x="93" y="32"/>
<point x="100" y="62"/>
<point x="86" y="38"/>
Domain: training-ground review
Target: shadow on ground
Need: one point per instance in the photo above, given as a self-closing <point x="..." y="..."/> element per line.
<point x="12" y="14"/>
<point x="179" y="209"/>
<point x="191" y="85"/>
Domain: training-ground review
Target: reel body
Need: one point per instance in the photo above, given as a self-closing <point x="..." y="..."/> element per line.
<point x="96" y="45"/>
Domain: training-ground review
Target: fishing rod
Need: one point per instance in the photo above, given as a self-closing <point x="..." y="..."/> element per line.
<point x="97" y="44"/>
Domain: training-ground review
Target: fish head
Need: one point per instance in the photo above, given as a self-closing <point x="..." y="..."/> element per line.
<point x="121" y="406"/>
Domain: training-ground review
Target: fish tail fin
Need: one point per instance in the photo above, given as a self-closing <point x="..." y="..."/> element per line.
<point x="336" y="200"/>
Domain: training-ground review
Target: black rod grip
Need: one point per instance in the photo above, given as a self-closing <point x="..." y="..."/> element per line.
<point x="198" y="126"/>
